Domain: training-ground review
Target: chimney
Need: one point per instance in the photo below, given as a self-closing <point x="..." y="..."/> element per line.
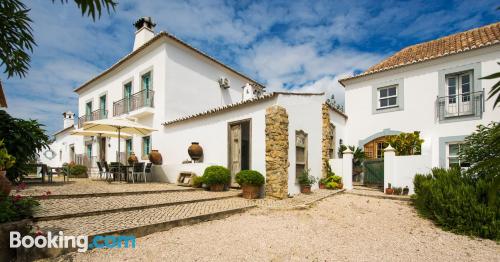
<point x="69" y="119"/>
<point x="144" y="31"/>
<point x="249" y="92"/>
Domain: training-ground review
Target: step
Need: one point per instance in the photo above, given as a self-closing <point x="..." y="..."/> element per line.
<point x="137" y="222"/>
<point x="104" y="194"/>
<point x="51" y="209"/>
<point x="369" y="188"/>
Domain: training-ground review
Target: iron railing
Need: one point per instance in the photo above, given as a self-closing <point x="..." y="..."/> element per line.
<point x="95" y="115"/>
<point x="461" y="105"/>
<point x="144" y="98"/>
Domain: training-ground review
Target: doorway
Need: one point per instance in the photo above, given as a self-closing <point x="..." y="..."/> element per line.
<point x="239" y="148"/>
<point x="102" y="149"/>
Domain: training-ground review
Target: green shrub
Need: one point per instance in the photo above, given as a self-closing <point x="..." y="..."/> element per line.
<point x="250" y="177"/>
<point x="197" y="181"/>
<point x="216" y="175"/>
<point x="332" y="185"/>
<point x="13" y="208"/>
<point x="453" y="200"/>
<point x="305" y="179"/>
<point x="75" y="170"/>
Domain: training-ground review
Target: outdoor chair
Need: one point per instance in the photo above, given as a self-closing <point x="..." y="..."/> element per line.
<point x="106" y="169"/>
<point x="147" y="171"/>
<point x="114" y="169"/>
<point x="101" y="170"/>
<point x="138" y="170"/>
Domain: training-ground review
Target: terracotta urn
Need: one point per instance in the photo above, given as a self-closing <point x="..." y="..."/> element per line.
<point x="217" y="187"/>
<point x="5" y="185"/>
<point x="305" y="189"/>
<point x="250" y="191"/>
<point x="132" y="159"/>
<point x="389" y="191"/>
<point x="322" y="186"/>
<point x="195" y="151"/>
<point x="340" y="186"/>
<point x="155" y="157"/>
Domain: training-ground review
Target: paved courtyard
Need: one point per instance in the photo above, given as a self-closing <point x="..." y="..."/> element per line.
<point x="343" y="227"/>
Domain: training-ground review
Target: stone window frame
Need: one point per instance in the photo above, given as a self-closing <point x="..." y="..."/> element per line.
<point x="299" y="133"/>
<point x="443" y="147"/>
<point x="476" y="85"/>
<point x="399" y="83"/>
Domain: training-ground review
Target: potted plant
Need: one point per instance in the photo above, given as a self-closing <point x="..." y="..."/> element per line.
<point x="6" y="161"/>
<point x="322" y="182"/>
<point x="389" y="190"/>
<point x="250" y="182"/>
<point x="216" y="177"/>
<point x="306" y="181"/>
<point x="406" y="190"/>
<point x="398" y="191"/>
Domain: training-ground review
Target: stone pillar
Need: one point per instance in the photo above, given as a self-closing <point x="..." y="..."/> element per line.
<point x="347" y="168"/>
<point x="389" y="156"/>
<point x="277" y="152"/>
<point x="326" y="139"/>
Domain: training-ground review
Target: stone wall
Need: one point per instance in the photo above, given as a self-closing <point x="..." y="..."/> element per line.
<point x="325" y="139"/>
<point x="277" y="152"/>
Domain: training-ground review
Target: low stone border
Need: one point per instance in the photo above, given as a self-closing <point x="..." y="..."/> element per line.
<point x="100" y="212"/>
<point x="382" y="196"/>
<point x="295" y="203"/>
<point x="104" y="194"/>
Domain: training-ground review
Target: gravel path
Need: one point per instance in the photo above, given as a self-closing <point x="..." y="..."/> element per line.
<point x="340" y="228"/>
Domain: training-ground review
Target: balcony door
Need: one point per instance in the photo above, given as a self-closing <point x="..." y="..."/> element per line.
<point x="458" y="92"/>
<point x="88" y="110"/>
<point x="127" y="95"/>
<point x="102" y="107"/>
<point x="145" y="88"/>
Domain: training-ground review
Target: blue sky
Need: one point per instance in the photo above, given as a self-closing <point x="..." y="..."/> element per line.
<point x="299" y="45"/>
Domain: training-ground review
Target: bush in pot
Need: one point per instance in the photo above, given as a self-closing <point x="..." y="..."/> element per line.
<point x="306" y="181"/>
<point x="216" y="177"/>
<point x="250" y="182"/>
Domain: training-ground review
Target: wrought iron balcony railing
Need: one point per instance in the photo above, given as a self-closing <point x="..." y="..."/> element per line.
<point x="95" y="115"/>
<point x="144" y="98"/>
<point x="461" y="105"/>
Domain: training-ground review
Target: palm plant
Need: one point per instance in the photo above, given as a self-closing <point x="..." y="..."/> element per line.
<point x="495" y="89"/>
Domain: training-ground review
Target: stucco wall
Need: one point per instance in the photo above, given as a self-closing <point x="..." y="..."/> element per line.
<point x="60" y="145"/>
<point x="421" y="89"/>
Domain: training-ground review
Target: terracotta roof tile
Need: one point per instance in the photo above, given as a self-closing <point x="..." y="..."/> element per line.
<point x="453" y="44"/>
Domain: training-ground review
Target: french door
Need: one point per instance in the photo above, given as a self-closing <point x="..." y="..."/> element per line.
<point x="458" y="92"/>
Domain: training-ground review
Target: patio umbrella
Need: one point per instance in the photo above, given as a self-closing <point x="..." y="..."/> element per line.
<point x="117" y="125"/>
<point x="81" y="132"/>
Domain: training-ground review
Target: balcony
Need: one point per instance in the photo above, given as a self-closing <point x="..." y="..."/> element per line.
<point x="95" y="115"/>
<point x="460" y="106"/>
<point x="138" y="104"/>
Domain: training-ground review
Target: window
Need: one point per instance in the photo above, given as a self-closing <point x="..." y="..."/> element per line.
<point x="88" y="108"/>
<point x="453" y="155"/>
<point x="387" y="97"/>
<point x="102" y="107"/>
<point x="380" y="149"/>
<point x="127" y="94"/>
<point x="128" y="147"/>
<point x="146" y="87"/>
<point x="458" y="87"/>
<point x="332" y="140"/>
<point x="300" y="153"/>
<point x="89" y="151"/>
<point x="146" y="146"/>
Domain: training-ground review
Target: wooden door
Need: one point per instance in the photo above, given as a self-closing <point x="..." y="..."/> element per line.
<point x="235" y="154"/>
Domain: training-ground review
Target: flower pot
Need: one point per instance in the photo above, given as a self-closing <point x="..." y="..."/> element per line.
<point x="155" y="157"/>
<point x="322" y="186"/>
<point x="195" y="151"/>
<point x="5" y="185"/>
<point x="217" y="187"/>
<point x="132" y="159"/>
<point x="250" y="191"/>
<point x="340" y="186"/>
<point x="406" y="190"/>
<point x="389" y="191"/>
<point x="304" y="189"/>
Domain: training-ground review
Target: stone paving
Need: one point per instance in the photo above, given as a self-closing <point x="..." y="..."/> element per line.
<point x="297" y="202"/>
<point x="86" y="186"/>
<point x="75" y="206"/>
<point x="105" y="223"/>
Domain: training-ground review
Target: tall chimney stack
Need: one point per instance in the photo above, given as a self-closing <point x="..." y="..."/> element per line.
<point x="69" y="119"/>
<point x="144" y="31"/>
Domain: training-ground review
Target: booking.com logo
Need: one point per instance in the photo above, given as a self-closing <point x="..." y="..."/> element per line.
<point x="62" y="241"/>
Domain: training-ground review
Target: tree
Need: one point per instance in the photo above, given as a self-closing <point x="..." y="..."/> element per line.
<point x="406" y="144"/>
<point x="495" y="89"/>
<point x="23" y="139"/>
<point x="16" y="37"/>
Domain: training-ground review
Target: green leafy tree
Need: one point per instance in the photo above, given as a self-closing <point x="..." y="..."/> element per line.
<point x="406" y="144"/>
<point x="23" y="140"/>
<point x="16" y="37"/>
<point x="495" y="89"/>
<point x="482" y="151"/>
<point x="358" y="155"/>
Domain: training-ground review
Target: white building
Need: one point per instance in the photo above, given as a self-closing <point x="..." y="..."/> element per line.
<point x="432" y="87"/>
<point x="62" y="149"/>
<point x="189" y="96"/>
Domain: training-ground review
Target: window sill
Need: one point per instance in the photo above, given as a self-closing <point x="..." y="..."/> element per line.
<point x="387" y="109"/>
